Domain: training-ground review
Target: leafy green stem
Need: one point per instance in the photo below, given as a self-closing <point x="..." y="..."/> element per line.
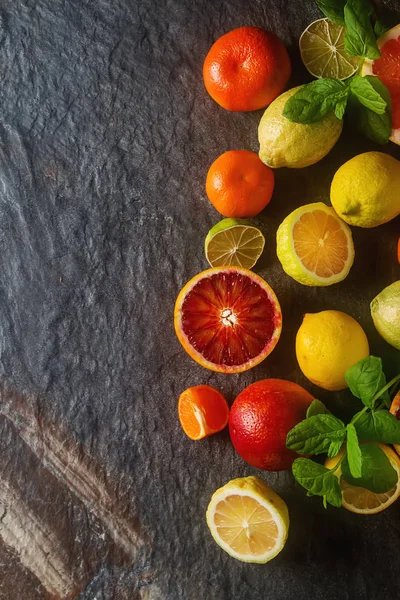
<point x="387" y="386"/>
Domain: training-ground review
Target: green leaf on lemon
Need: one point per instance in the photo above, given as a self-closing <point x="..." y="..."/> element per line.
<point x="378" y="426"/>
<point x="353" y="451"/>
<point x="377" y="474"/>
<point x="318" y="481"/>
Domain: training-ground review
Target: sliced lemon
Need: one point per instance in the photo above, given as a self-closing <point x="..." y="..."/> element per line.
<point x="322" y="51"/>
<point x="315" y="246"/>
<point x="360" y="500"/>
<point x="234" y="242"/>
<point x="248" y="520"/>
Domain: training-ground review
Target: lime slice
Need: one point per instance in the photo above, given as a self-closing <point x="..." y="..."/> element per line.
<point x="322" y="51"/>
<point x="234" y="242"/>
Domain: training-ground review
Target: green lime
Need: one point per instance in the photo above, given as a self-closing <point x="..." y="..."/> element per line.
<point x="322" y="51"/>
<point x="385" y="312"/>
<point x="234" y="242"/>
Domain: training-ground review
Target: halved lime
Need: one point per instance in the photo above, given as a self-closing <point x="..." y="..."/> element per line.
<point x="322" y="51"/>
<point x="234" y="242"/>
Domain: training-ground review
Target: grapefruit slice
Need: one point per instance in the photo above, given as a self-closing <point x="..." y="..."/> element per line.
<point x="387" y="69"/>
<point x="228" y="319"/>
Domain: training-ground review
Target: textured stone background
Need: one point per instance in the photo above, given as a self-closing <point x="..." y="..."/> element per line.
<point x="106" y="135"/>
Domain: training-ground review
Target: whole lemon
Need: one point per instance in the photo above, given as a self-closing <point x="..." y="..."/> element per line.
<point x="385" y="312"/>
<point x="327" y="344"/>
<point x="294" y="145"/>
<point x="365" y="191"/>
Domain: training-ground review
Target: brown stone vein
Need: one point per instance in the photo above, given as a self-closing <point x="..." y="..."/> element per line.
<point x="76" y="470"/>
<point x="38" y="548"/>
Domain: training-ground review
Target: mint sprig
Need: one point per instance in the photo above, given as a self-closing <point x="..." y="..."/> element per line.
<point x="360" y="39"/>
<point x="355" y="16"/>
<point x="362" y="463"/>
<point x="365" y="100"/>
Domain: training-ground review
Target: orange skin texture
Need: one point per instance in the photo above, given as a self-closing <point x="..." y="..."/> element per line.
<point x="260" y="419"/>
<point x="246" y="69"/>
<point x="238" y="184"/>
<point x="395" y="410"/>
<point x="210" y="403"/>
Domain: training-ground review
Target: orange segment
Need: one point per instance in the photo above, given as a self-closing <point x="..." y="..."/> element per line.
<point x="320" y="243"/>
<point x="202" y="411"/>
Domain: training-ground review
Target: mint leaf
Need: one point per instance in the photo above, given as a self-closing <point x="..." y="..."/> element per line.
<point x="313" y="101"/>
<point x="378" y="426"/>
<point x="377" y="474"/>
<point x="340" y="108"/>
<point x="318" y="481"/>
<point x="334" y="447"/>
<point x="360" y="38"/>
<point x="385" y="22"/>
<point x="377" y="128"/>
<point x="365" y="379"/>
<point x="315" y="434"/>
<point x="353" y="451"/>
<point x="368" y="96"/>
<point x="333" y="9"/>
<point x="317" y="408"/>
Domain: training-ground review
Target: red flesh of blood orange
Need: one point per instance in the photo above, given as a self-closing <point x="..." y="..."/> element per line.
<point x="228" y="319"/>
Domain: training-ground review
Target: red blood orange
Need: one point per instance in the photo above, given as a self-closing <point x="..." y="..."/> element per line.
<point x="228" y="319"/>
<point x="260" y="419"/>
<point x="387" y="69"/>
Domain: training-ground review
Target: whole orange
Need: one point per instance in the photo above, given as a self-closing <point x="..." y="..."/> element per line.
<point x="260" y="419"/>
<point x="246" y="69"/>
<point x="238" y="184"/>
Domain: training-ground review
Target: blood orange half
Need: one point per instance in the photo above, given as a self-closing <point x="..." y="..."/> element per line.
<point x="228" y="319"/>
<point x="387" y="69"/>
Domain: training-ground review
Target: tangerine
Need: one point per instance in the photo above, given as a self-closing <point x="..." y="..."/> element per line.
<point x="202" y="411"/>
<point x="238" y="184"/>
<point x="246" y="69"/>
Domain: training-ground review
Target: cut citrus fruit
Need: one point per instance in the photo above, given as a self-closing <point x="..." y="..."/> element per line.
<point x="248" y="520"/>
<point x="234" y="242"/>
<point x="314" y="246"/>
<point x="202" y="411"/>
<point x="395" y="410"/>
<point x="322" y="51"/>
<point x="228" y="319"/>
<point x="387" y="69"/>
<point x="360" y="500"/>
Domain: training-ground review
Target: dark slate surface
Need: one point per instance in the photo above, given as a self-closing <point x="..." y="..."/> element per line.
<point x="106" y="134"/>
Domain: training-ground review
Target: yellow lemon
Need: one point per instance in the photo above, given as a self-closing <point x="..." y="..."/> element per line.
<point x="287" y="144"/>
<point x="327" y="344"/>
<point x="365" y="191"/>
<point x="360" y="500"/>
<point x="248" y="520"/>
<point x="314" y="246"/>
